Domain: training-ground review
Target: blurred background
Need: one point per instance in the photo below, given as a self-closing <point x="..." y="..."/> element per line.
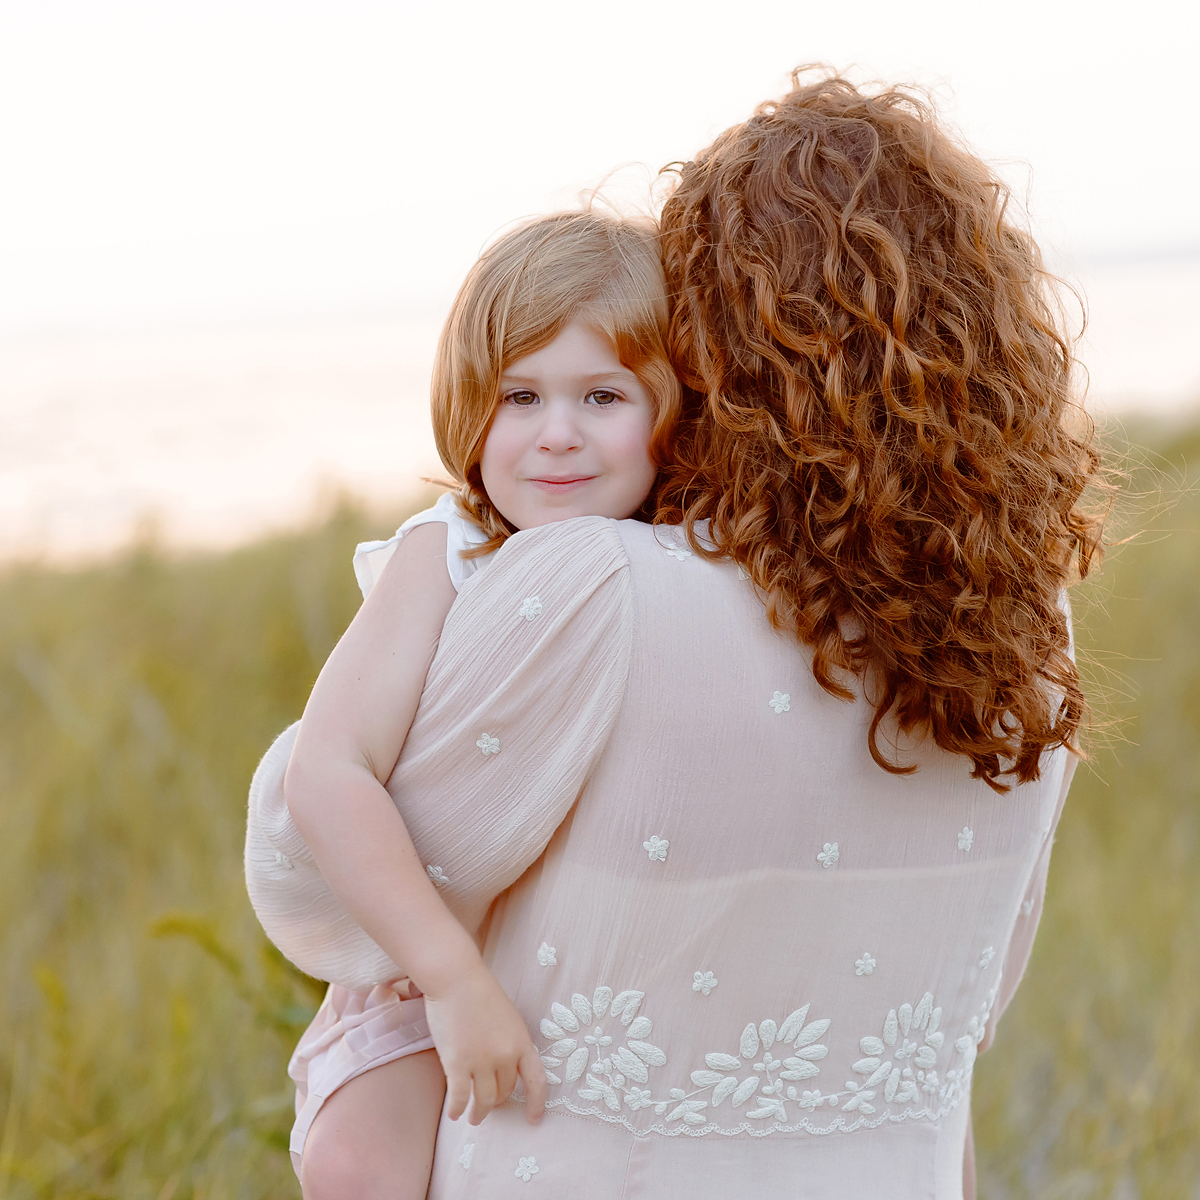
<point x="228" y="235"/>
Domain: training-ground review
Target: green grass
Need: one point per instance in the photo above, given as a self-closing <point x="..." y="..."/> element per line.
<point x="148" y="1023"/>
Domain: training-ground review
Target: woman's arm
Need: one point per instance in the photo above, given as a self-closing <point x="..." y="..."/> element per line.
<point x="352" y="732"/>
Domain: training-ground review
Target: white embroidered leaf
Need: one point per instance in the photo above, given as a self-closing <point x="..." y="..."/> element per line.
<point x="749" y="1043"/>
<point x="552" y="1078"/>
<point x="969" y="1052"/>
<point x="549" y="1060"/>
<point x="677" y="1112"/>
<point x="745" y="1090"/>
<point x="935" y="1021"/>
<point x="905" y="1014"/>
<point x="632" y="1066"/>
<point x="802" y="1070"/>
<point x="694" y="1118"/>
<point x="625" y="1005"/>
<point x="766" y="1032"/>
<point x="610" y="1097"/>
<point x="641" y="1028"/>
<point x="865" y="1066"/>
<point x="880" y="1073"/>
<point x="906" y="1092"/>
<point x="703" y="1079"/>
<point x="576" y="1063"/>
<point x="564" y="1016"/>
<point x="871" y="1045"/>
<point x="550" y="1031"/>
<point x="889" y="1089"/>
<point x="792" y="1024"/>
<point x="891" y="1028"/>
<point x="648" y="1053"/>
<point x="812" y="1032"/>
<point x="935" y="1039"/>
<point x="817" y="1051"/>
<point x="925" y="1057"/>
<point x="660" y="1107"/>
<point x="770" y="1108"/>
<point x="601" y="1000"/>
<point x="864" y="1107"/>
<point x="723" y="1062"/>
<point x="923" y="1011"/>
<point x="727" y="1085"/>
<point x="589" y="1093"/>
<point x="581" y="1008"/>
<point x="564" y="1047"/>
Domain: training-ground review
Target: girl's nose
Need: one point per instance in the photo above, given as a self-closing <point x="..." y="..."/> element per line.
<point x="559" y="432"/>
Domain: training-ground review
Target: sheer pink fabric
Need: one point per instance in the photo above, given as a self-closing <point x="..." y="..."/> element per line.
<point x="754" y="960"/>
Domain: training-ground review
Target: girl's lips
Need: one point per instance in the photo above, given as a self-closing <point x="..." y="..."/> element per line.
<point x="557" y="486"/>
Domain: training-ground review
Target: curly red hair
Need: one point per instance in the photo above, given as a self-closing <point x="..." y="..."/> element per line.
<point x="877" y="420"/>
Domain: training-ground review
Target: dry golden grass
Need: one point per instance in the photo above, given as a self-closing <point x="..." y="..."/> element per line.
<point x="149" y="1023"/>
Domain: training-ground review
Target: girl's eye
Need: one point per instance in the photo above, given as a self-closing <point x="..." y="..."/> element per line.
<point x="603" y="397"/>
<point x="521" y="399"/>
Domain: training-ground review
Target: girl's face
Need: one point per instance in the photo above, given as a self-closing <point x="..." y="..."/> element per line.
<point x="571" y="434"/>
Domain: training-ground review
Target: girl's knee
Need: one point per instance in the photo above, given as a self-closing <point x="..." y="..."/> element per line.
<point x="340" y="1167"/>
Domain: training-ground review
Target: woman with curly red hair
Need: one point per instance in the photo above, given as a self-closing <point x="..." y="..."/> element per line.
<point x="777" y="776"/>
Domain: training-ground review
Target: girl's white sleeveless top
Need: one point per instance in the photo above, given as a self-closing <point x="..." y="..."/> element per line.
<point x="755" y="962"/>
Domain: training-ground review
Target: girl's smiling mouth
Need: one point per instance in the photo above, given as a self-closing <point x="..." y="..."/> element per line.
<point x="565" y="484"/>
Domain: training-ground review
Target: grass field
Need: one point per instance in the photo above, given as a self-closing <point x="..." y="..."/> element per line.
<point x="149" y="1023"/>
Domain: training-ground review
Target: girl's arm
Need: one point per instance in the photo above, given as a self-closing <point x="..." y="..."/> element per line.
<point x="352" y="732"/>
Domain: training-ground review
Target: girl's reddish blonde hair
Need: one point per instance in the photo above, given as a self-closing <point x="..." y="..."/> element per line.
<point x="877" y="418"/>
<point x="524" y="290"/>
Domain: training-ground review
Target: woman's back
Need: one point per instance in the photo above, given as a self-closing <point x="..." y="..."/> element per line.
<point x="763" y="962"/>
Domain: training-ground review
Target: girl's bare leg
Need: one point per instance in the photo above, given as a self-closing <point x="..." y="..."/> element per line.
<point x="373" y="1138"/>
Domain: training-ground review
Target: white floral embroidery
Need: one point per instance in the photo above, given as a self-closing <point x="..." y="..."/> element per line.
<point x="829" y="855"/>
<point x="704" y="981"/>
<point x="1026" y="908"/>
<point x="781" y="702"/>
<point x="438" y="876"/>
<point x="282" y="860"/>
<point x="464" y="1159"/>
<point x="488" y="744"/>
<point x="968" y="1044"/>
<point x="527" y="1168"/>
<point x="864" y="965"/>
<point x="986" y="957"/>
<point x="531" y="608"/>
<point x="612" y="1076"/>
<point x="656" y="847"/>
<point x="909" y="1071"/>
<point x="677" y="552"/>
<point x="966" y="838"/>
<point x="546" y="955"/>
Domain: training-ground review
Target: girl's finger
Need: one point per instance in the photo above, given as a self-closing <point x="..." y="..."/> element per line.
<point x="458" y="1092"/>
<point x="484" y="1099"/>
<point x="506" y="1080"/>
<point x="534" y="1075"/>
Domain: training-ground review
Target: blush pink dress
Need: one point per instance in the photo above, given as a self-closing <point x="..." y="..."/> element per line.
<point x="755" y="962"/>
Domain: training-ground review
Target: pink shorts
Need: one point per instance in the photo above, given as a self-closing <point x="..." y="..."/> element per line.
<point x="351" y="1033"/>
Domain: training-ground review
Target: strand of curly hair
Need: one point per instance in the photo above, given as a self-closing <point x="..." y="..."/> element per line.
<point x="877" y="418"/>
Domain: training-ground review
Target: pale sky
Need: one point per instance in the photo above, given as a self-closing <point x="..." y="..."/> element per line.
<point x="178" y="160"/>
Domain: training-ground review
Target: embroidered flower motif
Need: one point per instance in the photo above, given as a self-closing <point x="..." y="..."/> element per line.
<point x="464" y="1159"/>
<point x="704" y="981"/>
<point x="488" y="744"/>
<point x="527" y="1168"/>
<point x="282" y="860"/>
<point x="656" y="847"/>
<point x="864" y="965"/>
<point x="546" y="956"/>
<point x="677" y="552"/>
<point x="829" y="855"/>
<point x="531" y="608"/>
<point x="812" y="1100"/>
<point x="986" y="957"/>
<point x="612" y="1075"/>
<point x="438" y="876"/>
<point x="781" y="702"/>
<point x="966" y="838"/>
<point x="1026" y="908"/>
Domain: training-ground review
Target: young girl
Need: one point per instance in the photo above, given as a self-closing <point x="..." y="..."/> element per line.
<point x="552" y="399"/>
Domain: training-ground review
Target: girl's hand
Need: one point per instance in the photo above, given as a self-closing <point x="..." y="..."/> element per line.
<point x="484" y="1046"/>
